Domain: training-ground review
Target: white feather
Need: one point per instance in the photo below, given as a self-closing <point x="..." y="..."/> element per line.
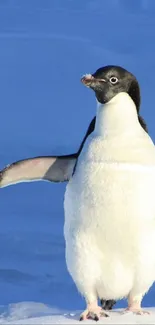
<point x="110" y="207"/>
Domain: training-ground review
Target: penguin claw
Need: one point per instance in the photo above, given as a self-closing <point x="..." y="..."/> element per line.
<point x="93" y="315"/>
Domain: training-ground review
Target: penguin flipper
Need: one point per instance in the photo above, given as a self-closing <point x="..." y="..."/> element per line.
<point x="143" y="123"/>
<point x="49" y="168"/>
<point x="53" y="169"/>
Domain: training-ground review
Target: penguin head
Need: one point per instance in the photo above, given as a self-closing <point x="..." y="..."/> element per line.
<point x="109" y="81"/>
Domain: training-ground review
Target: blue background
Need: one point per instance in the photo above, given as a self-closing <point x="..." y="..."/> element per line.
<point x="45" y="48"/>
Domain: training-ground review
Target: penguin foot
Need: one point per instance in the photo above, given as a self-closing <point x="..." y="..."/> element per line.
<point x="134" y="305"/>
<point x="136" y="311"/>
<point x="107" y="304"/>
<point x="93" y="312"/>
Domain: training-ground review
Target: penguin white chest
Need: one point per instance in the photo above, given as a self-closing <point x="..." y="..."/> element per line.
<point x="110" y="207"/>
<point x="110" y="223"/>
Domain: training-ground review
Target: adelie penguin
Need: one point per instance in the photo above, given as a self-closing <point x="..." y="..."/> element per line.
<point x="109" y="201"/>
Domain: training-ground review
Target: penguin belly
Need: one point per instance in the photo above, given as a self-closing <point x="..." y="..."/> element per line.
<point x="110" y="228"/>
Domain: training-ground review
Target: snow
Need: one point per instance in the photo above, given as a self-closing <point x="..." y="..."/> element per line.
<point x="45" y="47"/>
<point x="38" y="313"/>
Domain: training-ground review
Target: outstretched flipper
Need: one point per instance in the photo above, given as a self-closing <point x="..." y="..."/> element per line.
<point x="54" y="169"/>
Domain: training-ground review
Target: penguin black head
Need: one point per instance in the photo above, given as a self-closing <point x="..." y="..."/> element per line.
<point x="109" y="81"/>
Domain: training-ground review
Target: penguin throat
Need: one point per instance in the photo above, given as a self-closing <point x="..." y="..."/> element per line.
<point x="117" y="117"/>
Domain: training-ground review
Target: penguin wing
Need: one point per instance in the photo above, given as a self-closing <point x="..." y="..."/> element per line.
<point x="90" y="129"/>
<point x="143" y="123"/>
<point x="54" y="169"/>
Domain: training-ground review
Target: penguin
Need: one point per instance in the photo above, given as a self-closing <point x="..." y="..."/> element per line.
<point x="53" y="169"/>
<point x="109" y="201"/>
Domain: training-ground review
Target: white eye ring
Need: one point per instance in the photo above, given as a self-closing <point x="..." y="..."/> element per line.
<point x="113" y="80"/>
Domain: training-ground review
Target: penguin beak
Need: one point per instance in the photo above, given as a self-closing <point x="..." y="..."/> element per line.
<point x="91" y="82"/>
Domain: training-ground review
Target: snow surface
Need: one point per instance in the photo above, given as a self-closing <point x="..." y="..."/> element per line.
<point x="38" y="313"/>
<point x="45" y="47"/>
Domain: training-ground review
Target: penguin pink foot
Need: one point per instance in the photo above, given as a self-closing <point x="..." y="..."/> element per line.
<point x="136" y="311"/>
<point x="93" y="312"/>
<point x="134" y="306"/>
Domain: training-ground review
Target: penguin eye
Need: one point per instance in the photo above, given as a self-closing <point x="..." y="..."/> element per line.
<point x="113" y="80"/>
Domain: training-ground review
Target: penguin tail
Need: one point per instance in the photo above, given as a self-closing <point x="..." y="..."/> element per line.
<point x="48" y="168"/>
